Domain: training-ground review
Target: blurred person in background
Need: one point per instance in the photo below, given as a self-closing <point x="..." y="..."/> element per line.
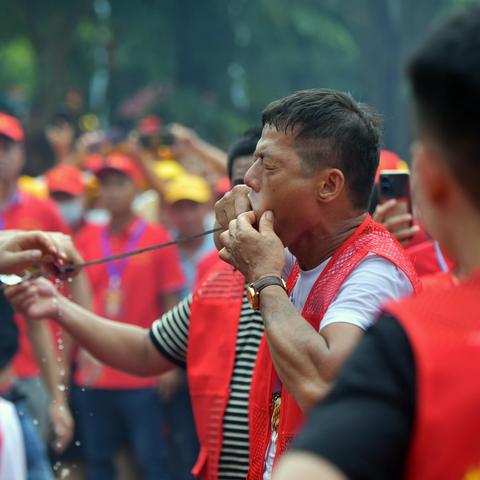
<point x="425" y="253"/>
<point x="117" y="408"/>
<point x="60" y="134"/>
<point x="406" y="403"/>
<point x="67" y="188"/>
<point x="14" y="247"/>
<point x="179" y="337"/>
<point x="36" y="369"/>
<point x="187" y="200"/>
<point x="187" y="204"/>
<point x="22" y="453"/>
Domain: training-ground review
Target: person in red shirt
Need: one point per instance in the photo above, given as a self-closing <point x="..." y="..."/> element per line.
<point x="117" y="407"/>
<point x="67" y="187"/>
<point x="21" y="211"/>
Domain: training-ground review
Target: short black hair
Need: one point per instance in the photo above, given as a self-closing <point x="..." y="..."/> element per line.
<point x="243" y="146"/>
<point x="444" y="74"/>
<point x="332" y="129"/>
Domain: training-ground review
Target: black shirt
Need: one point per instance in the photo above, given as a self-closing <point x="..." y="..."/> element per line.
<point x="364" y="425"/>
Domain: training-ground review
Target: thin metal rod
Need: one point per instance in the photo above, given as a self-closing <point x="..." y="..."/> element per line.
<point x="143" y="250"/>
<point x="69" y="269"/>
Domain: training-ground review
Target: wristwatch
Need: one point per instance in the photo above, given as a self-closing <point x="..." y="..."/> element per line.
<point x="254" y="289"/>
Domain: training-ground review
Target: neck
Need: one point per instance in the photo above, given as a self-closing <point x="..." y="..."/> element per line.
<point x="7" y="187"/>
<point x="464" y="248"/>
<point x="314" y="247"/>
<point x="120" y="221"/>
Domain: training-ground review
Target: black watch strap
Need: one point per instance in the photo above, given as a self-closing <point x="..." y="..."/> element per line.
<point x="263" y="282"/>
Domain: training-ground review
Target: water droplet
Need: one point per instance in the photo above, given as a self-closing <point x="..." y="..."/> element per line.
<point x="78" y="443"/>
<point x="56" y="466"/>
<point x="62" y="387"/>
<point x="35" y="421"/>
<point x="82" y="389"/>
<point x="69" y="279"/>
<point x="65" y="473"/>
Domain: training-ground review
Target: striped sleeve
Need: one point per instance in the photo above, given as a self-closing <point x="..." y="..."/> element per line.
<point x="169" y="333"/>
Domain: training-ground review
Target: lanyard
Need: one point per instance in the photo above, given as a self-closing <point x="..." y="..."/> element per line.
<point x="115" y="269"/>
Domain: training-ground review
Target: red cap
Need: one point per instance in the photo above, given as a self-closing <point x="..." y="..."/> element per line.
<point x="120" y="163"/>
<point x="67" y="179"/>
<point x="149" y="125"/>
<point x="223" y="186"/>
<point x="10" y="127"/>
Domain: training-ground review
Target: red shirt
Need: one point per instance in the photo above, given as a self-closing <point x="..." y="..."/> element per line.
<point x="26" y="212"/>
<point x="428" y="259"/>
<point x="144" y="278"/>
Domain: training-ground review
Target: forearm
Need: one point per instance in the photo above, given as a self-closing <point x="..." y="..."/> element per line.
<point x="51" y="365"/>
<point x="119" y="345"/>
<point x="81" y="291"/>
<point x="213" y="156"/>
<point x="300" y="354"/>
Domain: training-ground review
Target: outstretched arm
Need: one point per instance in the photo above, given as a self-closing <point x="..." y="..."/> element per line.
<point x="121" y="346"/>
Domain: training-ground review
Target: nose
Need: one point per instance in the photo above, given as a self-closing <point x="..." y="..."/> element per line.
<point x="252" y="176"/>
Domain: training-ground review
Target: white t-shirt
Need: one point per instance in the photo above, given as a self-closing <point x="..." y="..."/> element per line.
<point x="12" y="451"/>
<point x="359" y="300"/>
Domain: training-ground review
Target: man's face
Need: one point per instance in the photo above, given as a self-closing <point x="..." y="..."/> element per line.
<point x="11" y="159"/>
<point x="117" y="192"/>
<point x="239" y="169"/>
<point x="280" y="182"/>
<point x="187" y="216"/>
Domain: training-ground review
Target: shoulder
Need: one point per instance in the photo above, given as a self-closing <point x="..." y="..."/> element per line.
<point x="373" y="283"/>
<point x="382" y="274"/>
<point x="45" y="210"/>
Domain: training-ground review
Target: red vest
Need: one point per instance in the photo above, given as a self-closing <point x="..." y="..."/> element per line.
<point x="370" y="237"/>
<point x="443" y="327"/>
<point x="212" y="337"/>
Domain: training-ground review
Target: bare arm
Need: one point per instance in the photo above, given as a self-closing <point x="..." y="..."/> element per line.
<point x="306" y="467"/>
<point x="53" y="372"/>
<point x="82" y="295"/>
<point x="306" y="361"/>
<point x="121" y="346"/>
<point x="213" y="157"/>
<point x="168" y="300"/>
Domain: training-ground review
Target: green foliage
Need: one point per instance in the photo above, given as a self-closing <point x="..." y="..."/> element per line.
<point x="216" y="62"/>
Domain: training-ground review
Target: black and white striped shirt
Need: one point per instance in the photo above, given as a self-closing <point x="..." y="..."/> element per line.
<point x="170" y="336"/>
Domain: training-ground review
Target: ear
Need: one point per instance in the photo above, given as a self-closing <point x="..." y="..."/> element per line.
<point x="432" y="175"/>
<point x="330" y="184"/>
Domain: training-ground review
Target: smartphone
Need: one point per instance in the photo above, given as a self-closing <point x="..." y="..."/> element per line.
<point x="395" y="184"/>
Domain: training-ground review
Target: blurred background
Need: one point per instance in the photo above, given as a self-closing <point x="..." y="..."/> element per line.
<point x="211" y="65"/>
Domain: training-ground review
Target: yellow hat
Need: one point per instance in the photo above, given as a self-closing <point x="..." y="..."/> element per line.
<point x="188" y="187"/>
<point x="33" y="186"/>
<point x="168" y="169"/>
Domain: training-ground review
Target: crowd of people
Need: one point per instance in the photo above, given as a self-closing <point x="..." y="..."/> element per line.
<point x="321" y="332"/>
